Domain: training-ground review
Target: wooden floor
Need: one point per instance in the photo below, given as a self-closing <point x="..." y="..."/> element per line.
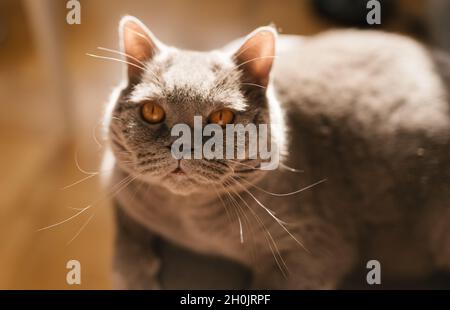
<point x="37" y="157"/>
<point x="32" y="198"/>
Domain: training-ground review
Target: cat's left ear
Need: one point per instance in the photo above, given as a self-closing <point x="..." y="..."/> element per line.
<point x="138" y="44"/>
<point x="255" y="56"/>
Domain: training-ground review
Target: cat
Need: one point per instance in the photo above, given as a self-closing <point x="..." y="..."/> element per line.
<point x="363" y="128"/>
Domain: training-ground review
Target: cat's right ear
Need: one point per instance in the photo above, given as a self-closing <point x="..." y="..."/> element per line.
<point x="138" y="44"/>
<point x="256" y="55"/>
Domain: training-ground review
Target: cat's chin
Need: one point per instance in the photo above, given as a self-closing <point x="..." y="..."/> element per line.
<point x="182" y="191"/>
<point x="182" y="184"/>
<point x="182" y="188"/>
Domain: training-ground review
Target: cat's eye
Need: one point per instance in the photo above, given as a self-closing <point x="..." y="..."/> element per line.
<point x="221" y="117"/>
<point x="152" y="112"/>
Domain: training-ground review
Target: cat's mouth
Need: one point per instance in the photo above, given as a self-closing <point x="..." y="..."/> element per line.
<point x="185" y="177"/>
<point x="178" y="170"/>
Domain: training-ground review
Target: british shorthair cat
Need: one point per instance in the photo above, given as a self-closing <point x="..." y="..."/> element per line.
<point x="363" y="130"/>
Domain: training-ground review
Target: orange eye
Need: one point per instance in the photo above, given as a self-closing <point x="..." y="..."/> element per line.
<point x="152" y="112"/>
<point x="221" y="117"/>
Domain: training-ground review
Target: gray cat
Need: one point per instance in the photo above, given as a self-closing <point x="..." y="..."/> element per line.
<point x="364" y="115"/>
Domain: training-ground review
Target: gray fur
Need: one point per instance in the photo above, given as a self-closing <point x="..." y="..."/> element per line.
<point x="365" y="110"/>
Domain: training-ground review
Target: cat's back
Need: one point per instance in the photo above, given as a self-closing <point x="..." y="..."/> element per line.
<point x="371" y="112"/>
<point x="381" y="87"/>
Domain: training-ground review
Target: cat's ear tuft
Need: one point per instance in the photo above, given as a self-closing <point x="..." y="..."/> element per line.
<point x="138" y="44"/>
<point x="255" y="57"/>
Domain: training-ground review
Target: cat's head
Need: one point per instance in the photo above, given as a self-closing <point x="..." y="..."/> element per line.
<point x="167" y="86"/>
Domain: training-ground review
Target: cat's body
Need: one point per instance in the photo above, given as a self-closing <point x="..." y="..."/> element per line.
<point x="366" y="111"/>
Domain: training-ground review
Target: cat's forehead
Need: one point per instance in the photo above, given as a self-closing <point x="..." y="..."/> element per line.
<point x="192" y="76"/>
<point x="194" y="68"/>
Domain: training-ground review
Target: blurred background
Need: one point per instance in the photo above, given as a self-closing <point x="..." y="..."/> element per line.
<point x="52" y="97"/>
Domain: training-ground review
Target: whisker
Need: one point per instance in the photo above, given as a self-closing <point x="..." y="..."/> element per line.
<point x="253" y="84"/>
<point x="82" y="210"/>
<point x="142" y="36"/>
<point x="121" y="53"/>
<point x="246" y="219"/>
<point x="285" y="194"/>
<point x="253" y="59"/>
<point x="117" y="118"/>
<point x="66" y="220"/>
<point x="115" y="59"/>
<point x="81" y="169"/>
<point x="244" y="50"/>
<point x="258" y="168"/>
<point x="133" y="198"/>
<point x="247" y="222"/>
<point x="271" y="213"/>
<point x="237" y="211"/>
<point x="76" y="209"/>
<point x="290" y="169"/>
<point x="266" y="230"/>
<point x="91" y="175"/>
<point x="81" y="229"/>
<point x="240" y="230"/>
<point x="223" y="203"/>
<point x="122" y="186"/>
<point x="284" y="270"/>
<point x="94" y="136"/>
<point x="242" y="164"/>
<point x="80" y="181"/>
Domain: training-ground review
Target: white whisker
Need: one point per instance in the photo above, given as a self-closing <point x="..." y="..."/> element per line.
<point x="284" y="270"/>
<point x="290" y="169"/>
<point x="124" y="180"/>
<point x="80" y="181"/>
<point x="81" y="169"/>
<point x="121" y="53"/>
<point x="253" y="84"/>
<point x="240" y="231"/>
<point x="285" y="194"/>
<point x="142" y="36"/>
<point x="75" y="209"/>
<point x="223" y="203"/>
<point x="115" y="59"/>
<point x="242" y="164"/>
<point x="81" y="229"/>
<point x="272" y="214"/>
<point x="237" y="211"/>
<point x="66" y="220"/>
<point x="94" y="136"/>
<point x="245" y="49"/>
<point x="254" y="59"/>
